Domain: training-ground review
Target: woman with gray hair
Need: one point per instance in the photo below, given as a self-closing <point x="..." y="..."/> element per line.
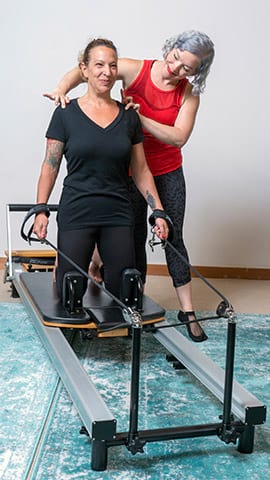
<point x="166" y="93"/>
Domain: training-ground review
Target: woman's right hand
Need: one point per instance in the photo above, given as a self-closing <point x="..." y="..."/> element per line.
<point x="41" y="225"/>
<point x="58" y="97"/>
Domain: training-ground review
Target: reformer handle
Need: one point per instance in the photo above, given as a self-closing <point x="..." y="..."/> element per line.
<point x="24" y="207"/>
<point x="40" y="207"/>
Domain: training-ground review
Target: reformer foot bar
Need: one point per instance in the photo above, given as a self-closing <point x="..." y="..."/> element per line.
<point x="97" y="419"/>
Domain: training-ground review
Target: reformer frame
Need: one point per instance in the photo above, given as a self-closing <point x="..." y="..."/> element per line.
<point x="97" y="419"/>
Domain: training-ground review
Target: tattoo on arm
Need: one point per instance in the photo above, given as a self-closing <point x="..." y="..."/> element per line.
<point x="54" y="153"/>
<point x="150" y="200"/>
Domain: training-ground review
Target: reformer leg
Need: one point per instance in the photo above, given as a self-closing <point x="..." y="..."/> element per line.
<point x="14" y="293"/>
<point x="134" y="444"/>
<point x="246" y="440"/>
<point x="99" y="456"/>
<point x="227" y="434"/>
<point x="176" y="364"/>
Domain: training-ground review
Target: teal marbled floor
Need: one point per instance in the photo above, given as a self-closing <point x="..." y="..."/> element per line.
<point x="168" y="397"/>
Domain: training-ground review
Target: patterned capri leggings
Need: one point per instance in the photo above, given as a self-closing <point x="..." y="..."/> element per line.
<point x="172" y="191"/>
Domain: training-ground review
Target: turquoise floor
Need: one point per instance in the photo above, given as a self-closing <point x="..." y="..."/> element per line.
<point x="168" y="397"/>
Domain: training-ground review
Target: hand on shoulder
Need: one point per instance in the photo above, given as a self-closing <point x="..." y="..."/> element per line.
<point x="128" y="102"/>
<point x="58" y="97"/>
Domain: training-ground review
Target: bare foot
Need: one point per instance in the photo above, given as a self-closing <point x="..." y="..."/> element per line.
<point x="94" y="272"/>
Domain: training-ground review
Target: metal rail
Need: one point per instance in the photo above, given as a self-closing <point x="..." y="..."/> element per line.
<point x="245" y="406"/>
<point x="94" y="413"/>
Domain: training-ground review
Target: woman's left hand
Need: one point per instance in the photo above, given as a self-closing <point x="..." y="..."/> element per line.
<point x="128" y="102"/>
<point x="161" y="229"/>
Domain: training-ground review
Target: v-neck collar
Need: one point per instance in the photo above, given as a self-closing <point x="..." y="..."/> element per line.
<point x="108" y="127"/>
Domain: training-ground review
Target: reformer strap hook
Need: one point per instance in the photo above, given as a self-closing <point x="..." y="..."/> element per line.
<point x="152" y="242"/>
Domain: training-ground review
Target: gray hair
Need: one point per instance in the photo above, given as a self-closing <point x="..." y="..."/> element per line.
<point x="200" y="45"/>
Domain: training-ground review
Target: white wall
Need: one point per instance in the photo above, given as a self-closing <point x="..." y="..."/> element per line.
<point x="226" y="161"/>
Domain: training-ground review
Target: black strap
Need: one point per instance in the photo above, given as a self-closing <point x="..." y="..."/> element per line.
<point x="162" y="214"/>
<point x="39" y="208"/>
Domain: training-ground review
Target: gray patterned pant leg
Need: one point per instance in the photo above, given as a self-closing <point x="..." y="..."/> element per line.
<point x="172" y="191"/>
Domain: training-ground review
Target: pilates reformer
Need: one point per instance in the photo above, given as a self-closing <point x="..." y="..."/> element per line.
<point x="100" y="312"/>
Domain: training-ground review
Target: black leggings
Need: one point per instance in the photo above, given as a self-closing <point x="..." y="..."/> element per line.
<point x="172" y="192"/>
<point x="116" y="247"/>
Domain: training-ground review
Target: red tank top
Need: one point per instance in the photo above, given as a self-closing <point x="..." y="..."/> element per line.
<point x="162" y="106"/>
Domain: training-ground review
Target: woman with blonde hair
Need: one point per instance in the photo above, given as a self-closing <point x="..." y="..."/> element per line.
<point x="101" y="142"/>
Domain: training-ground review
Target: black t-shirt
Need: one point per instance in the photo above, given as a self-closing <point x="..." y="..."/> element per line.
<point x="95" y="188"/>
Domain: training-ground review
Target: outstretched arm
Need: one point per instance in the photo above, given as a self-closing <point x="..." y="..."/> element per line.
<point x="128" y="69"/>
<point x="49" y="171"/>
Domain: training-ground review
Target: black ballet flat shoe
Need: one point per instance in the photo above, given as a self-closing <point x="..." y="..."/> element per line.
<point x="184" y="318"/>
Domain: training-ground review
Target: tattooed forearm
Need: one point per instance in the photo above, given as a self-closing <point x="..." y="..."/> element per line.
<point x="150" y="200"/>
<point x="54" y="153"/>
